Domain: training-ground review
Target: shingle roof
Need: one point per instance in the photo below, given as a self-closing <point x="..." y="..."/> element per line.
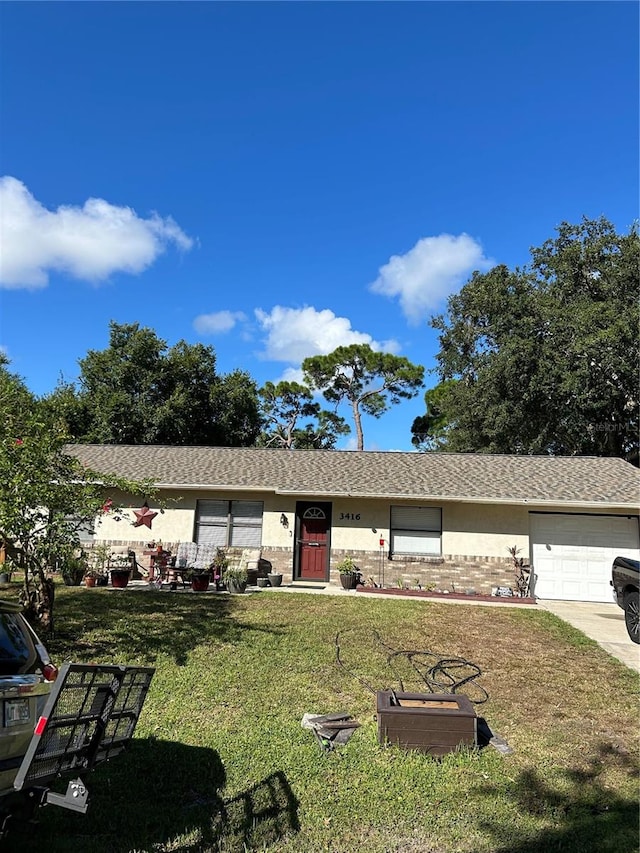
<point x="424" y="476"/>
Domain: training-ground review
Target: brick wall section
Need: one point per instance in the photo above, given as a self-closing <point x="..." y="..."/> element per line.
<point x="449" y="572"/>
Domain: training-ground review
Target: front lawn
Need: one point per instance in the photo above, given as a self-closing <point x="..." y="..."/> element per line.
<point x="220" y="761"/>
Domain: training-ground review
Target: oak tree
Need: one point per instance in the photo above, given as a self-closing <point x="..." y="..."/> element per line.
<point x="546" y="357"/>
<point x="140" y="391"/>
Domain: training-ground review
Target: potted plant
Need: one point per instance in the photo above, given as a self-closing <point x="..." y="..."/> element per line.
<point x="199" y="579"/>
<point x="219" y="566"/>
<point x="6" y="570"/>
<point x="274" y="578"/>
<point x="73" y="568"/>
<point x="97" y="559"/>
<point x="235" y="580"/>
<point x="90" y="578"/>
<point x="349" y="573"/>
<point x="266" y="571"/>
<point x="120" y="570"/>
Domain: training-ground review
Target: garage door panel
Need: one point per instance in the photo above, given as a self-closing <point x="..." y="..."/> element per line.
<point x="572" y="554"/>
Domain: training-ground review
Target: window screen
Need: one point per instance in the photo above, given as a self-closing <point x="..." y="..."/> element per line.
<point x="416" y="530"/>
<point x="84" y="528"/>
<point x="229" y="523"/>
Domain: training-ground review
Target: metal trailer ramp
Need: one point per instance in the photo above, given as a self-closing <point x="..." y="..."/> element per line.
<point x="90" y="716"/>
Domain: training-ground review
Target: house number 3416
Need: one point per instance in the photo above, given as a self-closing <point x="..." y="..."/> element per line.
<point x="350" y="516"/>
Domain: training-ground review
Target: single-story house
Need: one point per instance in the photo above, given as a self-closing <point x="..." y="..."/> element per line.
<point x="445" y="520"/>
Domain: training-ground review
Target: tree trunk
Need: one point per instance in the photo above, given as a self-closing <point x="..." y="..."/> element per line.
<point x="37" y="599"/>
<point x="357" y="419"/>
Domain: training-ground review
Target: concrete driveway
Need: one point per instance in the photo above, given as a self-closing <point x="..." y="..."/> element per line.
<point x="602" y="622"/>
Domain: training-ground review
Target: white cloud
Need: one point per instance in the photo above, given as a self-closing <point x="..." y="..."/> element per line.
<point x="291" y="374"/>
<point x="89" y="242"/>
<point x="218" y="322"/>
<point x="424" y="277"/>
<point x="293" y="334"/>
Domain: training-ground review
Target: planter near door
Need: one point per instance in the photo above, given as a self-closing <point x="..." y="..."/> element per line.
<point x="349" y="580"/>
<point x="119" y="578"/>
<point x="275" y="578"/>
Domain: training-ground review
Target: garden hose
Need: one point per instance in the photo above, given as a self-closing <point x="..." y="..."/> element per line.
<point x="439" y="673"/>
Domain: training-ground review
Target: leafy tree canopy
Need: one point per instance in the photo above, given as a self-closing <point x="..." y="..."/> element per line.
<point x="546" y="357"/>
<point x="370" y="381"/>
<point x="292" y="419"/>
<point x="429" y="431"/>
<point x="46" y="496"/>
<point x="140" y="391"/>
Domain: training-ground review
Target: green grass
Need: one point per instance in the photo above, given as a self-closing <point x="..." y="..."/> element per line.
<point x="220" y="761"/>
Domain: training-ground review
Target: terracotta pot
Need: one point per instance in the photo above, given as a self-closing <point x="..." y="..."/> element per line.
<point x="119" y="578"/>
<point x="90" y="582"/>
<point x="200" y="583"/>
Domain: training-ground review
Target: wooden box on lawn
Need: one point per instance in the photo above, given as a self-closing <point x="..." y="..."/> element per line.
<point x="433" y="722"/>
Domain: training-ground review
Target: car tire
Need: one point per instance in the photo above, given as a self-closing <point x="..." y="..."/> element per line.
<point x="632" y="615"/>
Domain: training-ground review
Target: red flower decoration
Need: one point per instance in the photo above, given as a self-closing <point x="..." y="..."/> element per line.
<point x="106" y="506"/>
<point x="19" y="441"/>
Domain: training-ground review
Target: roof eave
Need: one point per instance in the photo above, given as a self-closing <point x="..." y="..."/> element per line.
<point x="512" y="501"/>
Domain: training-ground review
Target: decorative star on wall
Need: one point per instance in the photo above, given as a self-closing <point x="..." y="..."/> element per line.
<point x="144" y="515"/>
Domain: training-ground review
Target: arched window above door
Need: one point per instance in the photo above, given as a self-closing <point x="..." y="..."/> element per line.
<point x="314" y="512"/>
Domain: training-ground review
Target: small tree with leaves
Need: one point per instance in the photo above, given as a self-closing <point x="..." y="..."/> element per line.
<point x="370" y="381"/>
<point x="47" y="496"/>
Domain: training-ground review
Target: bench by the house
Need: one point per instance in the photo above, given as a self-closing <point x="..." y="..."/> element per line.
<point x="201" y="556"/>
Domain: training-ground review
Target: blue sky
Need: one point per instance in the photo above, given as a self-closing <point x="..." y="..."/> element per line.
<point x="278" y="179"/>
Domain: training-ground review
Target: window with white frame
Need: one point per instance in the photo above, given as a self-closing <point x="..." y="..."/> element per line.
<point x="416" y="530"/>
<point x="229" y="523"/>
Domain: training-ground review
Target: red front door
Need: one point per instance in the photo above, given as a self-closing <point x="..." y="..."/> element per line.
<point x="313" y="540"/>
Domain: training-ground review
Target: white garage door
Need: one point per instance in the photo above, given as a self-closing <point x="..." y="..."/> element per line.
<point x="572" y="554"/>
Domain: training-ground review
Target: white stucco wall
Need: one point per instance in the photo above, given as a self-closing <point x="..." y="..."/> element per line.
<point x="486" y="530"/>
<point x="176" y="523"/>
<point x="482" y="530"/>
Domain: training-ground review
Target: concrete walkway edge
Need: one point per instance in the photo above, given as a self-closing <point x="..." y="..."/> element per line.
<point x="602" y="622"/>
